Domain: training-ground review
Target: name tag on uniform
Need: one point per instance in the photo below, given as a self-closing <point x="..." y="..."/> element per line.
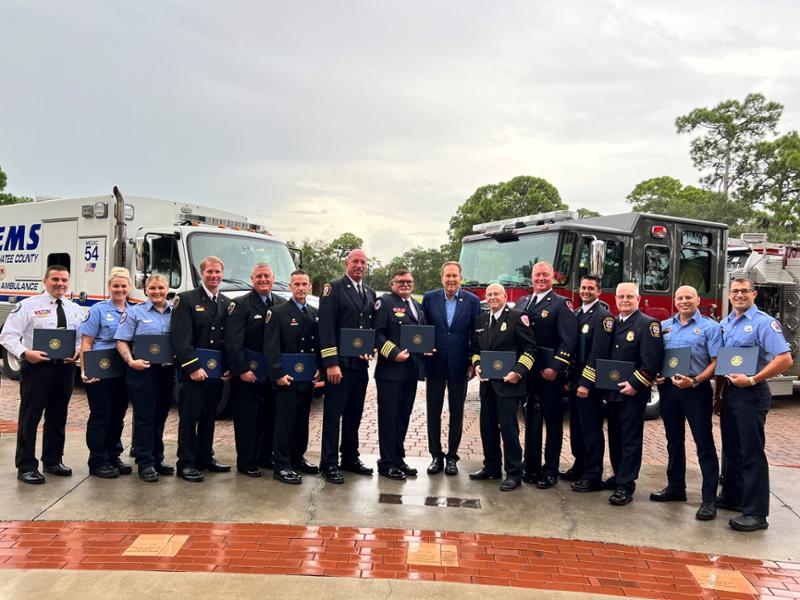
<point x="199" y="307"/>
<point x="58" y="343"/>
<point x="737" y="359"/>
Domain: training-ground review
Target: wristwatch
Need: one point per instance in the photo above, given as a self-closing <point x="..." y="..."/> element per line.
<point x="695" y="383"/>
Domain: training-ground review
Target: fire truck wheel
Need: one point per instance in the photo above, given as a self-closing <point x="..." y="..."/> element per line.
<point x="653" y="409"/>
<point x="11" y="366"/>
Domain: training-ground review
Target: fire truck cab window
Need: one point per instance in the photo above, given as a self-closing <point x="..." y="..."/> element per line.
<point x="165" y="259"/>
<point x="695" y="269"/>
<point x="612" y="271"/>
<point x="508" y="263"/>
<point x="656" y="276"/>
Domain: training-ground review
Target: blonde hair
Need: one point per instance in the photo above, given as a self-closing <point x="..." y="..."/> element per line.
<point x="156" y="277"/>
<point x="119" y="272"/>
<point x="210" y="260"/>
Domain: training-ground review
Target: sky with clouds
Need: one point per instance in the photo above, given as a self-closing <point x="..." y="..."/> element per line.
<point x="370" y="116"/>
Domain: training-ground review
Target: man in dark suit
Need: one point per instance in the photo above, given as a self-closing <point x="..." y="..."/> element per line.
<point x="291" y="328"/>
<point x="396" y="373"/>
<point x="253" y="402"/>
<point x="452" y="311"/>
<point x="345" y="303"/>
<point x="502" y="329"/>
<point x="556" y="329"/>
<point x="595" y="330"/>
<point x="198" y="321"/>
<point x="637" y="339"/>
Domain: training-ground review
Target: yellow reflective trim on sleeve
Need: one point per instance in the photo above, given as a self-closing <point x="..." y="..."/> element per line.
<point x="190" y="362"/>
<point x="387" y="348"/>
<point x="589" y="374"/>
<point x="642" y="378"/>
<point x="563" y="360"/>
<point x="526" y="361"/>
<point x="328" y="352"/>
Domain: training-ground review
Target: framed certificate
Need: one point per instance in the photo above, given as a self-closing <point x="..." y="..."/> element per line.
<point x="495" y="364"/>
<point x="676" y="361"/>
<point x="737" y="359"/>
<point x="356" y="342"/>
<point x="417" y="339"/>
<point x="58" y="343"/>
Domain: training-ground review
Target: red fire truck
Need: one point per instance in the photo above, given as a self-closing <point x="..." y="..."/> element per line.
<point x="658" y="252"/>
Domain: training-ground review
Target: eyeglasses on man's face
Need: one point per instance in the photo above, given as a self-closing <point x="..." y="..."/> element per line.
<point x="404" y="282"/>
<point x="740" y="291"/>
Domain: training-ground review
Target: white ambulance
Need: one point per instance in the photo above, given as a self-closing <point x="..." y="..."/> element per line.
<point x="91" y="235"/>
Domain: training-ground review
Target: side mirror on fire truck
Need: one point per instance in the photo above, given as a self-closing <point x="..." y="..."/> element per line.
<point x="597" y="258"/>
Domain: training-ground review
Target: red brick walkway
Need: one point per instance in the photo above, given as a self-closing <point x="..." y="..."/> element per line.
<point x="517" y="561"/>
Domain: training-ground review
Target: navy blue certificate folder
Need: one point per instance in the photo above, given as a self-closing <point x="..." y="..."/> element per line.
<point x="156" y="349"/>
<point x="356" y="342"/>
<point x="737" y="359"/>
<point x="300" y="367"/>
<point x="257" y="364"/>
<point x="676" y="361"/>
<point x="58" y="343"/>
<point x="103" y="364"/>
<point x="417" y="339"/>
<point x="610" y="373"/>
<point x="211" y="361"/>
<point x="496" y="364"/>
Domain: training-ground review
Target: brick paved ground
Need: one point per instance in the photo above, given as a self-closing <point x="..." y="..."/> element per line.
<point x="783" y="423"/>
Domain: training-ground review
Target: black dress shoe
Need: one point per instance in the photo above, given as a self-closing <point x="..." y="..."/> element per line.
<point x="306" y="467"/>
<point x="436" y="466"/>
<point x="669" y="494"/>
<point x="191" y="474"/>
<point x="148" y="474"/>
<point x="357" y="467"/>
<point x="621" y="497"/>
<point x="530" y="477"/>
<point x="545" y="482"/>
<point x="251" y="472"/>
<point x="33" y="477"/>
<point x="571" y="474"/>
<point x="748" y="523"/>
<point x="216" y="467"/>
<point x="725" y="504"/>
<point x="392" y="473"/>
<point x="610" y="483"/>
<point x="60" y="469"/>
<point x="332" y="474"/>
<point x="587" y="485"/>
<point x="163" y="468"/>
<point x="510" y="483"/>
<point x="451" y="467"/>
<point x="105" y="471"/>
<point x="706" y="512"/>
<point x="123" y="468"/>
<point x="287" y="476"/>
<point x="483" y="474"/>
<point x="409" y="471"/>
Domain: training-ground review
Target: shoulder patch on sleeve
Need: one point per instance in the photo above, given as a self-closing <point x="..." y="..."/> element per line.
<point x="378" y="304"/>
<point x="776" y="326"/>
<point x="86" y="316"/>
<point x="524" y="318"/>
<point x="326" y="290"/>
<point x="655" y="329"/>
<point x="175" y="301"/>
<point x="608" y="324"/>
<point x="231" y="307"/>
<point x="15" y="309"/>
<point x="268" y="316"/>
<point x="569" y="303"/>
<point x="122" y="319"/>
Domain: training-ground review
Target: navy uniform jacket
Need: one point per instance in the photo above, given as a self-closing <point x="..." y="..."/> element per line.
<point x="288" y="331"/>
<point x="244" y="328"/>
<point x="196" y="322"/>
<point x="555" y="326"/>
<point x="638" y="340"/>
<point x="513" y="333"/>
<point x="391" y="313"/>
<point x="451" y="358"/>
<point x="595" y="335"/>
<point x="341" y="307"/>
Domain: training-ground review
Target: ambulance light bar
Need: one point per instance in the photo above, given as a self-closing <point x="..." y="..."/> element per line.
<point x="519" y="222"/>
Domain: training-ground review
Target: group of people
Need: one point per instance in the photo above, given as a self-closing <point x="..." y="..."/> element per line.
<point x="555" y="346"/>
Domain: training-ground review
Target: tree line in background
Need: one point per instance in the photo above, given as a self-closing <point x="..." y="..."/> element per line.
<point x="749" y="179"/>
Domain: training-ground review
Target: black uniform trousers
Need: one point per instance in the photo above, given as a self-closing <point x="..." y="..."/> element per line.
<point x="434" y="401"/>
<point x="151" y="392"/>
<point x="343" y="401"/>
<point x="291" y="427"/>
<point x="253" y="423"/>
<point x="395" y="403"/>
<point x="625" y="438"/>
<point x="45" y="388"/>
<point x="590" y="418"/>
<point x="197" y="407"/>
<point x="746" y="474"/>
<point x="577" y="443"/>
<point x="548" y="394"/>
<point x="108" y="403"/>
<point x="499" y="421"/>
<point x="693" y="405"/>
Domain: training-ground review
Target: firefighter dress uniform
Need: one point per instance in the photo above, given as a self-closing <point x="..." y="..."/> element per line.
<point x="108" y="398"/>
<point x="151" y="391"/>
<point x="637" y="339"/>
<point x="46" y="387"/>
<point x="198" y="321"/>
